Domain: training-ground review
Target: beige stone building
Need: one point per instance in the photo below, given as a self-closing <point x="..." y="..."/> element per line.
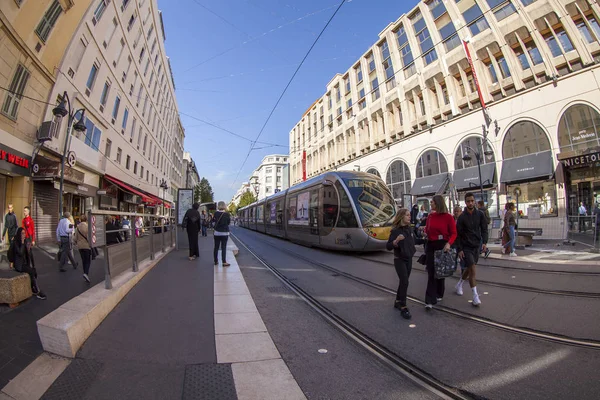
<point x="408" y="110"/>
<point x="33" y="38"/>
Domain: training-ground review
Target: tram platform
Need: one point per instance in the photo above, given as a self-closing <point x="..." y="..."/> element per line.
<point x="187" y="330"/>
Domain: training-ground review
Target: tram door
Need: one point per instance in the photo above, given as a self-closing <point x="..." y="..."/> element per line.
<point x="313" y="212"/>
<point x="329" y="209"/>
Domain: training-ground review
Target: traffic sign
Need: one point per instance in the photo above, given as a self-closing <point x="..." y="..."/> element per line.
<point x="94" y="239"/>
<point x="71" y="158"/>
<point x="36" y="168"/>
<point x="93" y="219"/>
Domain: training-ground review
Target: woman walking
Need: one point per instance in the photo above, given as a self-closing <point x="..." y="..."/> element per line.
<point x="510" y="224"/>
<point x="221" y="220"/>
<point x="402" y="242"/>
<point x="191" y="223"/>
<point x="441" y="234"/>
<point x="21" y="258"/>
<point x="83" y="244"/>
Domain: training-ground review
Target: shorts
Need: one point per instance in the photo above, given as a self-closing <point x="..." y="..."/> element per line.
<point x="471" y="257"/>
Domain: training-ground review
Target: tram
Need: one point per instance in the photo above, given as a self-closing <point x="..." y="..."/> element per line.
<point x="341" y="210"/>
<point x="210" y="207"/>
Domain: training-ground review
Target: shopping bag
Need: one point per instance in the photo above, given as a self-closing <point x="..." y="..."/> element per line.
<point x="445" y="263"/>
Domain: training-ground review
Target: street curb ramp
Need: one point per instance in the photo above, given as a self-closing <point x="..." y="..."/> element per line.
<point x="66" y="329"/>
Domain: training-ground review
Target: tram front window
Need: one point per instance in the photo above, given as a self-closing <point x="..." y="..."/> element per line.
<point x="373" y="201"/>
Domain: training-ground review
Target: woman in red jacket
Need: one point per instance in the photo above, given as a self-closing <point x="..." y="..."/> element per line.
<point x="441" y="233"/>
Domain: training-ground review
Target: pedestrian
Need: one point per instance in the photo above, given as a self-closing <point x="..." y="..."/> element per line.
<point x="456" y="212"/>
<point x="139" y="225"/>
<point x="64" y="230"/>
<point x="441" y="233"/>
<point x="509" y="230"/>
<point x="414" y="212"/>
<point x="10" y="225"/>
<point x="582" y="217"/>
<point x="113" y="236"/>
<point x="203" y="222"/>
<point x="191" y="223"/>
<point x="402" y="241"/>
<point x="83" y="244"/>
<point x="28" y="225"/>
<point x="472" y="230"/>
<point x="488" y="220"/>
<point x="71" y="240"/>
<point x="126" y="224"/>
<point x="21" y="258"/>
<point x="422" y="213"/>
<point x="221" y="222"/>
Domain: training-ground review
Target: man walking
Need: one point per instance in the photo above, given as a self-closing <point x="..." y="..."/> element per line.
<point x="10" y="224"/>
<point x="203" y="222"/>
<point x="64" y="230"/>
<point x="472" y="232"/>
<point x="28" y="225"/>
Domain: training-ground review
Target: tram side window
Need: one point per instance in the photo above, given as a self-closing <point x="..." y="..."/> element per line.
<point x="259" y="214"/>
<point x="330" y="207"/>
<point x="279" y="213"/>
<point x="347" y="218"/>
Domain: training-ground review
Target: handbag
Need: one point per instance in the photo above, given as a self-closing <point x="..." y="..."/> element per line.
<point x="444" y="263"/>
<point x="93" y="250"/>
<point x="422" y="259"/>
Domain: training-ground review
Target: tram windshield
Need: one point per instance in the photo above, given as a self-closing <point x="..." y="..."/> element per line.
<point x="373" y="201"/>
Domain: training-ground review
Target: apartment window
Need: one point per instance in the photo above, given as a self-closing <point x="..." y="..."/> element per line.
<point x="48" y="20"/>
<point x="110" y="32"/>
<point x="119" y="53"/>
<point x="15" y="93"/>
<point x="269" y="170"/>
<point x="135" y="165"/>
<point x="139" y="95"/>
<point x="449" y="36"/>
<point x="437" y="8"/>
<point x="142" y="171"/>
<point x="359" y="76"/>
<point x="154" y="48"/>
<point x="124" y="5"/>
<point x="278" y="179"/>
<point x="527" y="2"/>
<point x="269" y="179"/>
<point x="105" y="92"/>
<point x="563" y="42"/>
<point x="92" y="134"/>
<point x="150" y="32"/>
<point x="347" y="85"/>
<point x="147" y="175"/>
<point x="125" y="117"/>
<point x="131" y="22"/>
<point x="108" y="148"/>
<point x="115" y="112"/>
<point x="147" y="66"/>
<point x="338" y="94"/>
<point x="145" y="104"/>
<point x="137" y="38"/>
<point x="583" y="28"/>
<point x="339" y="113"/>
<point x="504" y="11"/>
<point x="132" y="134"/>
<point x="92" y="77"/>
<point x="424" y="38"/>
<point x="375" y="89"/>
<point x="475" y="20"/>
<point x="405" y="53"/>
<point x="78" y="53"/>
<point x="362" y="104"/>
<point x="371" y="63"/>
<point x="145" y="142"/>
<point x="119" y="154"/>
<point x="99" y="11"/>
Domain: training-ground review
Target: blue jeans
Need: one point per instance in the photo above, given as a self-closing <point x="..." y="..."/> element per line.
<point x="513" y="238"/>
<point x="203" y="230"/>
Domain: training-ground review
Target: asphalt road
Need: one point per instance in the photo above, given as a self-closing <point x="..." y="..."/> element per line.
<point x="489" y="362"/>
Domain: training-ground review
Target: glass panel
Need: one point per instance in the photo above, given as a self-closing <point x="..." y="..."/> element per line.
<point x="578" y="128"/>
<point x="373" y="201"/>
<point x="347" y="219"/>
<point x="541" y="195"/>
<point x="525" y="137"/>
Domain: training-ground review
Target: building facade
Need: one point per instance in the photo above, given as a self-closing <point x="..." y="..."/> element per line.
<point x="409" y="110"/>
<point x="244" y="187"/>
<point x="190" y="171"/>
<point x="115" y="69"/>
<point x="271" y="176"/>
<point x="34" y="36"/>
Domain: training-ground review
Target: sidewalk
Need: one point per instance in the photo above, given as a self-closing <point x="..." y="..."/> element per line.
<point x="19" y="340"/>
<point x="186" y="330"/>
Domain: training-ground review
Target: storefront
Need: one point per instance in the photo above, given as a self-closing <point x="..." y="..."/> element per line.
<point x="432" y="178"/>
<point x="528" y="170"/>
<point x="125" y="198"/>
<point x="14" y="182"/>
<point x="78" y="197"/>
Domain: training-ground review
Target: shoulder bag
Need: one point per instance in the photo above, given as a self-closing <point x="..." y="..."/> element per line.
<point x="93" y="249"/>
<point x="445" y="263"/>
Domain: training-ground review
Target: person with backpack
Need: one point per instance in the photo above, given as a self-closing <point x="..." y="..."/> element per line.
<point x="221" y="222"/>
<point x="21" y="258"/>
<point x="191" y="223"/>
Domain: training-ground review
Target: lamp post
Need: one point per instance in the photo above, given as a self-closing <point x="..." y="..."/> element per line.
<point x="467" y="158"/>
<point x="163" y="185"/>
<point x="59" y="113"/>
<point x="254" y="183"/>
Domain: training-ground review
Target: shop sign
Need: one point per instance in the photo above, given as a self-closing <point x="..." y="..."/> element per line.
<point x="14" y="161"/>
<point x="50" y="168"/>
<point x="581" y="160"/>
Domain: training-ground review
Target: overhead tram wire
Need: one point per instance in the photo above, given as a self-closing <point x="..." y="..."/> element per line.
<point x="285" y="90"/>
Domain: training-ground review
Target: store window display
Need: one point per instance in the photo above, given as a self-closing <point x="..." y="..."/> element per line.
<point x="536" y="198"/>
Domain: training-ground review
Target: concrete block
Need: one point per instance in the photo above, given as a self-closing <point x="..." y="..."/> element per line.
<point x="14" y="288"/>
<point x="66" y="329"/>
<point x="35" y="380"/>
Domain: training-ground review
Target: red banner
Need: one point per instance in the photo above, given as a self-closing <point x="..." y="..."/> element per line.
<point x="466" y="46"/>
<point x="303" y="165"/>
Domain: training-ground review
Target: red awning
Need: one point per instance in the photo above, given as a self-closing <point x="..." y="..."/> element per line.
<point x="127" y="188"/>
<point x="168" y="205"/>
<point x="155" y="201"/>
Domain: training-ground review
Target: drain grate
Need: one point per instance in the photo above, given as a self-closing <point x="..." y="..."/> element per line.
<point x="74" y="382"/>
<point x="278" y="289"/>
<point x="208" y="382"/>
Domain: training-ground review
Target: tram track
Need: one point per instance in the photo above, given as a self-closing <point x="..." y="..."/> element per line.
<point x="532" y="289"/>
<point x="385" y="355"/>
<point x="528" y="332"/>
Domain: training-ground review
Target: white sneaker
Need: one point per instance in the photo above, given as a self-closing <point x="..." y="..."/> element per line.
<point x="458" y="289"/>
<point x="513" y="254"/>
<point x="439" y="299"/>
<point x="476" y="301"/>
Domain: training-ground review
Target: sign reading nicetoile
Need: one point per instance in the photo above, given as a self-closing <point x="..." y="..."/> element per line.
<point x="581" y="160"/>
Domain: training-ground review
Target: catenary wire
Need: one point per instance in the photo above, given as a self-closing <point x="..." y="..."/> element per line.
<point x="286" y="88"/>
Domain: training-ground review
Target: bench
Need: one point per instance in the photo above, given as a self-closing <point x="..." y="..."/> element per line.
<point x="15" y="287"/>
<point x="525" y="235"/>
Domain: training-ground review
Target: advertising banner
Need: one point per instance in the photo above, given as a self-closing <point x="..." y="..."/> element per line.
<point x="273" y="212"/>
<point x="299" y="211"/>
<point x="185" y="199"/>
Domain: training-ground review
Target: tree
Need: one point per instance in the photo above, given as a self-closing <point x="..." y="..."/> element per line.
<point x="206" y="192"/>
<point x="232" y="208"/>
<point x="196" y="193"/>
<point x="247" y="198"/>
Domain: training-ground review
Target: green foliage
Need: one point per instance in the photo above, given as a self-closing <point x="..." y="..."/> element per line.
<point x="197" y="194"/>
<point x="247" y="198"/>
<point x="205" y="191"/>
<point x="232" y="209"/>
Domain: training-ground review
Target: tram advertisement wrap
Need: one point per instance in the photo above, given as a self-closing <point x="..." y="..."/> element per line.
<point x="273" y="212"/>
<point x="299" y="209"/>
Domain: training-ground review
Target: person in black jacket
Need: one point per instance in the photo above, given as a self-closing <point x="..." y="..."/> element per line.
<point x="472" y="231"/>
<point x="221" y="220"/>
<point x="191" y="223"/>
<point x="402" y="241"/>
<point x="21" y="258"/>
<point x="10" y="224"/>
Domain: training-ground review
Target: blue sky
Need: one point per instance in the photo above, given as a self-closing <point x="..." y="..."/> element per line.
<point x="248" y="51"/>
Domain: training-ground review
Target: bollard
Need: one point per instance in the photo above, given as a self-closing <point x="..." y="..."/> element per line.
<point x="151" y="240"/>
<point x="162" y="234"/>
<point x="134" y="255"/>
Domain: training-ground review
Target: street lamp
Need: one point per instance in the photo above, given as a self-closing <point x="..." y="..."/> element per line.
<point x="467" y="158"/>
<point x="254" y="183"/>
<point x="59" y="113"/>
<point x="164" y="187"/>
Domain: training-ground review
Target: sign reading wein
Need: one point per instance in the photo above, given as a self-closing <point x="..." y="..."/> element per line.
<point x="581" y="160"/>
<point x="11" y="158"/>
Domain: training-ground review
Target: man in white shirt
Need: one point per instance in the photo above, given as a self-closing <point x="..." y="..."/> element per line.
<point x="582" y="217"/>
<point x="64" y="230"/>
